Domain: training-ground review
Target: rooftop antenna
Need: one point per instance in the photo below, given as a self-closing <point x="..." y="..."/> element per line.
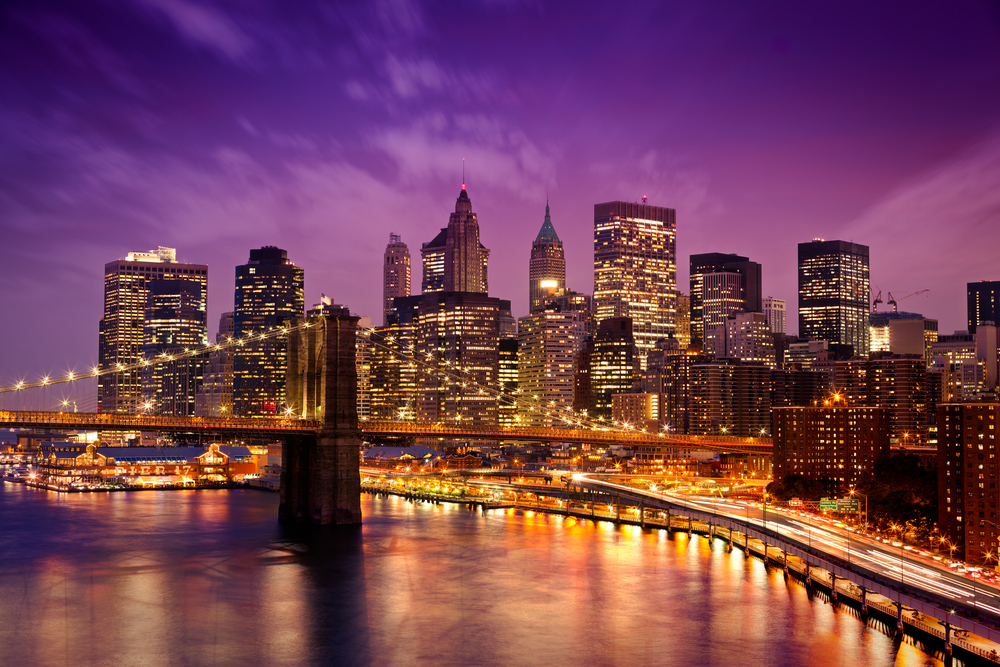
<point x="644" y="198"/>
<point x="463" y="173"/>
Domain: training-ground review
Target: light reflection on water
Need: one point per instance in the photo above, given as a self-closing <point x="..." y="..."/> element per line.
<point x="210" y="578"/>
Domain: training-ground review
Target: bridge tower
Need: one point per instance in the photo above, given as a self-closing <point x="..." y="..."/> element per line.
<point x="320" y="477"/>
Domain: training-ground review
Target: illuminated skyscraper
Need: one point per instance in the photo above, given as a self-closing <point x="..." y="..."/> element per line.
<point x="507" y="407"/>
<point x="455" y="260"/>
<point x="547" y="267"/>
<point x="176" y="321"/>
<point x="215" y="397"/>
<point x="549" y="342"/>
<point x="834" y="292"/>
<point x="748" y="286"/>
<point x="774" y="311"/>
<point x="122" y="329"/>
<point x="395" y="273"/>
<point x="269" y="294"/>
<point x="459" y="333"/>
<point x="682" y="332"/>
<point x="635" y="270"/>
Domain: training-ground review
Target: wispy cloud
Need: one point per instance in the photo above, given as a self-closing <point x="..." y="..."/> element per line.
<point x="204" y="26"/>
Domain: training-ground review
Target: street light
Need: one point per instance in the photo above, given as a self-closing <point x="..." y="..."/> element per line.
<point x="855" y="492"/>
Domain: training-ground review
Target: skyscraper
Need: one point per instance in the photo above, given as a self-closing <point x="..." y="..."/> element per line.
<point x="269" y="294"/>
<point x="834" y="292"/>
<point x="749" y="285"/>
<point x="547" y="267"/>
<point x="984" y="303"/>
<point x="549" y="342"/>
<point x="176" y="321"/>
<point x="122" y="328"/>
<point x="215" y="397"/>
<point x="774" y="311"/>
<point x="635" y="269"/>
<point x="395" y="273"/>
<point x="458" y="332"/>
<point x="614" y="363"/>
<point x="455" y="260"/>
<point x="721" y="296"/>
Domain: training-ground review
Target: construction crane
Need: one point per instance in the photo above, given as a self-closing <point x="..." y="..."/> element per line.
<point x="895" y="302"/>
<point x="876" y="301"/>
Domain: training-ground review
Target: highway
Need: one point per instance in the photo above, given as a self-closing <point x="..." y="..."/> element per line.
<point x="896" y="563"/>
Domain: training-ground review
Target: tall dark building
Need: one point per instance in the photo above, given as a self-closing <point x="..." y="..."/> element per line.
<point x="122" y="329"/>
<point x="614" y="363"/>
<point x="176" y="321"/>
<point x="269" y="294"/>
<point x="547" y="267"/>
<point x="455" y="260"/>
<point x="833" y="293"/>
<point x="635" y="269"/>
<point x="742" y="293"/>
<point x="984" y="303"/>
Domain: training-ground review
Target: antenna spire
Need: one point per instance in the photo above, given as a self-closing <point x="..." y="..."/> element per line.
<point x="463" y="173"/>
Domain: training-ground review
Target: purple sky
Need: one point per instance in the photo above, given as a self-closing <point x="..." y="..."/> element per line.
<point x="218" y="127"/>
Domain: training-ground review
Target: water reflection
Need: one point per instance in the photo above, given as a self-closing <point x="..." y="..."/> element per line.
<point x="210" y="578"/>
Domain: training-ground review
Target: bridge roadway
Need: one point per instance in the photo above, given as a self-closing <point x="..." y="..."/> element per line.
<point x="106" y="421"/>
<point x="109" y="421"/>
<point x="594" y="436"/>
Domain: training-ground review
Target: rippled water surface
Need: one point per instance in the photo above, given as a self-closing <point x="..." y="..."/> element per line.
<point x="210" y="578"/>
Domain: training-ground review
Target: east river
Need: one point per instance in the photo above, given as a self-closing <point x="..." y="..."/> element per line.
<point x="210" y="578"/>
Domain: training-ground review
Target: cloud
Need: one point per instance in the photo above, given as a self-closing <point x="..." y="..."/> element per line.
<point x="205" y="26"/>
<point x="497" y="156"/>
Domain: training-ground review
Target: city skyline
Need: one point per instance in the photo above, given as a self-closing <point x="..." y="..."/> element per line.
<point x="108" y="156"/>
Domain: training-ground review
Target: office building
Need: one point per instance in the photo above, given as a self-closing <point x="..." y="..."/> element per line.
<point x="667" y="374"/>
<point x="547" y="266"/>
<point x="967" y="485"/>
<point x="123" y="325"/>
<point x="682" y="332"/>
<point x="639" y="411"/>
<point x="459" y="333"/>
<point x="747" y="289"/>
<point x="548" y="344"/>
<point x="614" y="364"/>
<point x="635" y="270"/>
<point x="269" y="294"/>
<point x="455" y="260"/>
<point x="507" y="407"/>
<point x="983" y="303"/>
<point x="748" y="338"/>
<point x="215" y="397"/>
<point x="176" y="322"/>
<point x="730" y="398"/>
<point x="774" y="311"/>
<point x="793" y="387"/>
<point x="834" y="443"/>
<point x="903" y="333"/>
<point x="395" y="273"/>
<point x="722" y="295"/>
<point x="394" y="368"/>
<point x="898" y="383"/>
<point x="834" y="292"/>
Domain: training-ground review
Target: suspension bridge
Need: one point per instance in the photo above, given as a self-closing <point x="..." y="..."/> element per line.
<point x="314" y="472"/>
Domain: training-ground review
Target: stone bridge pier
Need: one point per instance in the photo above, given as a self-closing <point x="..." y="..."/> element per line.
<point x="320" y="477"/>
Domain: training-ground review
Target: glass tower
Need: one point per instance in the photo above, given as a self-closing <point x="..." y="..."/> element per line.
<point x="269" y="293"/>
<point x="635" y="269"/>
<point x="834" y="293"/>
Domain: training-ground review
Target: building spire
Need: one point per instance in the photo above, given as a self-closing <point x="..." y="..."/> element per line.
<point x="463" y="173"/>
<point x="548" y="230"/>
